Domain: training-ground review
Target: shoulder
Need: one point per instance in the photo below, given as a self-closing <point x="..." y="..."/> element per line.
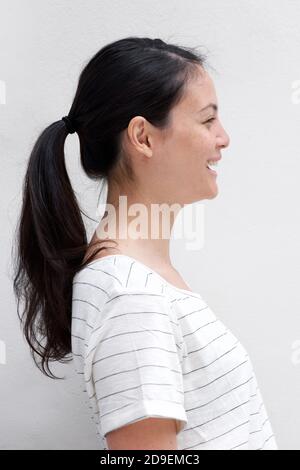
<point x="120" y="287"/>
<point x="117" y="281"/>
<point x="111" y="274"/>
<point x="116" y="310"/>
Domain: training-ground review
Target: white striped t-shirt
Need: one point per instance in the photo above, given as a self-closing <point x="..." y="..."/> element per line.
<point x="145" y="348"/>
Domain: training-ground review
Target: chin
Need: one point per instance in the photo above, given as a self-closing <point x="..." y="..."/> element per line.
<point x="209" y="193"/>
<point x="213" y="193"/>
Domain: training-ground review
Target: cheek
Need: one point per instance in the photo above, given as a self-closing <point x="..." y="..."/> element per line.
<point x="185" y="153"/>
<point x="198" y="149"/>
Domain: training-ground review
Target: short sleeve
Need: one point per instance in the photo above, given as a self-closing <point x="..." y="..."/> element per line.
<point x="135" y="367"/>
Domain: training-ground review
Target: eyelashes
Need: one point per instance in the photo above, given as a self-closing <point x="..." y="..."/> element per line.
<point x="210" y="120"/>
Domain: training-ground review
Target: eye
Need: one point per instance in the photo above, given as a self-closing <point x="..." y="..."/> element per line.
<point x="210" y="120"/>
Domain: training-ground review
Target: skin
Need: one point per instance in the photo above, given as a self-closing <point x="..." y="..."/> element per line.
<point x="169" y="167"/>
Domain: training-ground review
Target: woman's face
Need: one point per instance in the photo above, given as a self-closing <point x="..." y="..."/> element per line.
<point x="177" y="170"/>
<point x="196" y="136"/>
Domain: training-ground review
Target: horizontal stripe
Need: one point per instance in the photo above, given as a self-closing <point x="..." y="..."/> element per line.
<point x="259" y="430"/>
<point x="201" y="361"/>
<point x="132" y="351"/>
<point x="216" y="379"/>
<point x="105" y="272"/>
<point x="129" y="404"/>
<point x="220" y="396"/>
<point x="137" y="368"/>
<point x="159" y="385"/>
<point x="272" y="435"/>
<point x="200" y="327"/>
<point x="220" y="435"/>
<point x="91" y="285"/>
<point x="240" y="445"/>
<point x="217" y="417"/>
<point x="84" y="320"/>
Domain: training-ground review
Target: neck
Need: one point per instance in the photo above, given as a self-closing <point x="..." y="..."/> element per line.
<point x="141" y="228"/>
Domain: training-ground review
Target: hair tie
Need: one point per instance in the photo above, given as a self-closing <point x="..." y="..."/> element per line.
<point x="69" y="124"/>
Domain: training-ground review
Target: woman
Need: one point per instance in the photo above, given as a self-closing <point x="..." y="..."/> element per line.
<point x="159" y="369"/>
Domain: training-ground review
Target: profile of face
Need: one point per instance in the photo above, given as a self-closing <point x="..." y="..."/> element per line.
<point x="171" y="164"/>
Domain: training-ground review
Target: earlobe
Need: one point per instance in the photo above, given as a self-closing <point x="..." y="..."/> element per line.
<point x="147" y="151"/>
<point x="148" y="147"/>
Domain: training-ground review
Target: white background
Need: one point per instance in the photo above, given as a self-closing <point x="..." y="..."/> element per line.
<point x="248" y="269"/>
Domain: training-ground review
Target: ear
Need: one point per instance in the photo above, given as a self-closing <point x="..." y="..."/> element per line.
<point x="139" y="136"/>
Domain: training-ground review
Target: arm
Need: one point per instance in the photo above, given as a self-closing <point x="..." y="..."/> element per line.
<point x="149" y="433"/>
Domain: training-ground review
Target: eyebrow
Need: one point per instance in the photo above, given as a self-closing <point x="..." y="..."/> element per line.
<point x="210" y="105"/>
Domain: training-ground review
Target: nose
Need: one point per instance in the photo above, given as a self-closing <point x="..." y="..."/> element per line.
<point x="223" y="139"/>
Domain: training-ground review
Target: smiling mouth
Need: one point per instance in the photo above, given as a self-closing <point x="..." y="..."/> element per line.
<point x="211" y="170"/>
<point x="212" y="163"/>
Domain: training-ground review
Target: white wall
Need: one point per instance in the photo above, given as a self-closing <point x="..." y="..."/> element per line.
<point x="248" y="269"/>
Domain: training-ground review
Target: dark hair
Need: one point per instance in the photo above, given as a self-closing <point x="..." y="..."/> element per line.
<point x="129" y="77"/>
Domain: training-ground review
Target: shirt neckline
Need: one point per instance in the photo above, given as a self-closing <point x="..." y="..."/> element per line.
<point x="186" y="291"/>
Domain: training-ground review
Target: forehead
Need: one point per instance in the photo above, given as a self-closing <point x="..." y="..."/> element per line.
<point x="200" y="92"/>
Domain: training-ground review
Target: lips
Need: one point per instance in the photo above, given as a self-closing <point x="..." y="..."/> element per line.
<point x="214" y="159"/>
<point x="211" y="162"/>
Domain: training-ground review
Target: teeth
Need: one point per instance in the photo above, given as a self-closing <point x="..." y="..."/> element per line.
<point x="211" y="163"/>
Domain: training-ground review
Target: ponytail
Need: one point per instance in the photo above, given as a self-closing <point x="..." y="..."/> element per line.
<point x="51" y="244"/>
